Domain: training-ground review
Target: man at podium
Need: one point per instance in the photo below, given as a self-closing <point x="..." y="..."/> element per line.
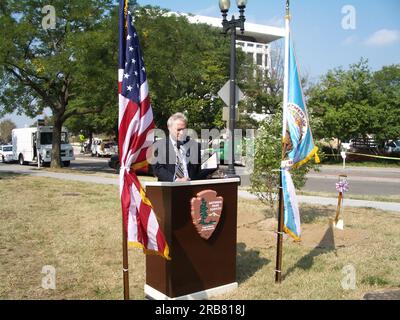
<point x="178" y="157"/>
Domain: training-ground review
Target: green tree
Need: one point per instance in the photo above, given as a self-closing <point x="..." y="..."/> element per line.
<point x="387" y="81"/>
<point x="65" y="69"/>
<point x="6" y="127"/>
<point x="356" y="102"/>
<point x="186" y="65"/>
<point x="203" y="213"/>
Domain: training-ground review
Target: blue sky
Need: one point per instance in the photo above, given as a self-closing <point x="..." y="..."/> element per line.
<point x="320" y="40"/>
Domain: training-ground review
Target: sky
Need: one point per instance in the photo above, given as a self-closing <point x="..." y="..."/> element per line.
<point x="326" y="33"/>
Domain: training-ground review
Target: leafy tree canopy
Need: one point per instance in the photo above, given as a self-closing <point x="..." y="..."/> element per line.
<point x="357" y="102"/>
<point x="6" y="127"/>
<point x="61" y="68"/>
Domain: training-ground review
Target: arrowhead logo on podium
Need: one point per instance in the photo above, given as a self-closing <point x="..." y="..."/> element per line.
<point x="206" y="212"/>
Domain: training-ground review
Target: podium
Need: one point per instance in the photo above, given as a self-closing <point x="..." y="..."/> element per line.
<point x="200" y="268"/>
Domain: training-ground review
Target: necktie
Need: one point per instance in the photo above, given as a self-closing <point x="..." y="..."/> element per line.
<point x="179" y="172"/>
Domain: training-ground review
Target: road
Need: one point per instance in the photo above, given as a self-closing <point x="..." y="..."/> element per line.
<point x="91" y="164"/>
<point x="362" y="181"/>
<point x="327" y="176"/>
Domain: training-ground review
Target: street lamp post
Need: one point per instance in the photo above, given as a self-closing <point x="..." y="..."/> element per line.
<point x="226" y="26"/>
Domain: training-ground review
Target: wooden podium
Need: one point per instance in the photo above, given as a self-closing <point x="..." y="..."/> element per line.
<point x="200" y="268"/>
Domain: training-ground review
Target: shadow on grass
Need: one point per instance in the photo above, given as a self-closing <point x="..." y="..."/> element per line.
<point x="10" y="175"/>
<point x="326" y="245"/>
<point x="248" y="262"/>
<point x="81" y="169"/>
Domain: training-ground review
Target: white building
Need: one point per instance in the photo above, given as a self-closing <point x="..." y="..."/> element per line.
<point x="255" y="41"/>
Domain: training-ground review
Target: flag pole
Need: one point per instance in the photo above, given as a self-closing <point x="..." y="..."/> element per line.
<point x="125" y="260"/>
<point x="278" y="268"/>
<point x="279" y="246"/>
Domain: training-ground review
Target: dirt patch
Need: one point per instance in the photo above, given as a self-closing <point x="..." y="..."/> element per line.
<point x="328" y="237"/>
<point x="260" y="234"/>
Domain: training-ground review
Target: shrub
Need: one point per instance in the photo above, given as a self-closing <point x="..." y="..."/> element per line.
<point x="268" y="152"/>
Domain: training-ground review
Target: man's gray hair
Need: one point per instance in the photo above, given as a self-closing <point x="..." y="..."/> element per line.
<point x="176" y="116"/>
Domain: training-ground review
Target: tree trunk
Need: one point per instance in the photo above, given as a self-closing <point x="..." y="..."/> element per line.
<point x="56" y="144"/>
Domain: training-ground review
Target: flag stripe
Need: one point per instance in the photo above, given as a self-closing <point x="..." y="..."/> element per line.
<point x="123" y="103"/>
<point x="135" y="124"/>
<point x="130" y="128"/>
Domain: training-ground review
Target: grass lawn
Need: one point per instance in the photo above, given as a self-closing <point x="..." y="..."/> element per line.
<point x="76" y="227"/>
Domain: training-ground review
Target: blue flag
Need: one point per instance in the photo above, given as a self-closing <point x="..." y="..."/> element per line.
<point x="296" y="135"/>
<point x="300" y="144"/>
<point x="291" y="207"/>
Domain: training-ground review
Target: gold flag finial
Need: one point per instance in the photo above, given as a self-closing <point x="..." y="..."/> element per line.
<point x="287" y="9"/>
<point x="126" y="13"/>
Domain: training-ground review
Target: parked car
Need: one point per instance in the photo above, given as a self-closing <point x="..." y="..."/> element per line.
<point x="6" y="153"/>
<point x="102" y="148"/>
<point x="115" y="164"/>
<point x="366" y="143"/>
<point x="392" y="146"/>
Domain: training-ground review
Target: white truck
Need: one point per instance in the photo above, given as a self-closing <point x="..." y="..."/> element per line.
<point x="29" y="142"/>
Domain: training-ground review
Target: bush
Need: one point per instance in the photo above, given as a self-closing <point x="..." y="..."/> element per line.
<point x="268" y="152"/>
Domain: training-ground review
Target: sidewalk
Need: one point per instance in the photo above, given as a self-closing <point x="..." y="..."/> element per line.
<point x="387" y="206"/>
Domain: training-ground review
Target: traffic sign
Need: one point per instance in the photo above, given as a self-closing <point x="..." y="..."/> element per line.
<point x="224" y="94"/>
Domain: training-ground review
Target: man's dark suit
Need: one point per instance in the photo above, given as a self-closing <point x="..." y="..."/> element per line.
<point x="164" y="168"/>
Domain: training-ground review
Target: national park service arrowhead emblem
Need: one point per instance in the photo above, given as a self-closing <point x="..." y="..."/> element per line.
<point x="206" y="212"/>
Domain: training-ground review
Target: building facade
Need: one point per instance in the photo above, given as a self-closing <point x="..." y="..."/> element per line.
<point x="255" y="42"/>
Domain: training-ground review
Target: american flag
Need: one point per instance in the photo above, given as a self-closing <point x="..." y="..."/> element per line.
<point x="135" y="126"/>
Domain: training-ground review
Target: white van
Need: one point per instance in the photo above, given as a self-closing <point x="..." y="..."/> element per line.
<point x="28" y="142"/>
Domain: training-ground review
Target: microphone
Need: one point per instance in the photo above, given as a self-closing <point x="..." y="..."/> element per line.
<point x="180" y="143"/>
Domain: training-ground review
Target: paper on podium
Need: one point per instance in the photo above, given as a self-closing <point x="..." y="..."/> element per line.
<point x="210" y="163"/>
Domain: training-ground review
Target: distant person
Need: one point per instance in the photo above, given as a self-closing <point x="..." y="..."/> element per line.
<point x="178" y="157"/>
